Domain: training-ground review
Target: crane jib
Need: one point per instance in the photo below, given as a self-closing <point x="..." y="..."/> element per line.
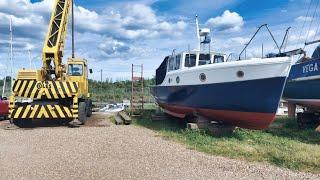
<point x="57" y="26"/>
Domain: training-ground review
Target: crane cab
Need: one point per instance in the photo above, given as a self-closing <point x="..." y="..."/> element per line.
<point x="77" y="71"/>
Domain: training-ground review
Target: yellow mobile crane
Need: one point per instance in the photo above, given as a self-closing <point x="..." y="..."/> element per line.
<point x="56" y="91"/>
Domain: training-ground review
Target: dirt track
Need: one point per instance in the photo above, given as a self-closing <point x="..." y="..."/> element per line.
<point x="103" y="150"/>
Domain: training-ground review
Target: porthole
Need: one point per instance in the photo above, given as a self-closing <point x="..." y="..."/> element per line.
<point x="178" y="79"/>
<point x="240" y="74"/>
<point x="203" y="77"/>
<point x="169" y="80"/>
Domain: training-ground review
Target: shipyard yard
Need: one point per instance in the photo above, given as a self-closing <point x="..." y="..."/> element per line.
<point x="104" y="150"/>
<point x="159" y="89"/>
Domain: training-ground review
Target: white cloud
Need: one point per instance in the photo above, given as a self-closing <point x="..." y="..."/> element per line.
<point x="112" y="47"/>
<point x="303" y="19"/>
<point x="138" y="15"/>
<point x="239" y="40"/>
<point x="132" y="21"/>
<point x="124" y="34"/>
<point x="228" y="21"/>
<point x="295" y="38"/>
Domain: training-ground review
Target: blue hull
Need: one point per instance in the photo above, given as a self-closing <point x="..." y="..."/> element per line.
<point x="247" y="96"/>
<point x="303" y="83"/>
<point x="233" y="102"/>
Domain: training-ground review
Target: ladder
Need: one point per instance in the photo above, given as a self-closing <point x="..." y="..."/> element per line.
<point x="137" y="90"/>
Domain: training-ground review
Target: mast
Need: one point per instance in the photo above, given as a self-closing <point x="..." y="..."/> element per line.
<point x="11" y="52"/>
<point x="198" y="33"/>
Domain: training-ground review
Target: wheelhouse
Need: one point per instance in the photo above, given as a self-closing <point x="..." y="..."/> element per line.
<point x="192" y="59"/>
<point x="187" y="60"/>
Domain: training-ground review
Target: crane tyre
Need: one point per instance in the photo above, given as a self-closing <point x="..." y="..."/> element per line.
<point x="89" y="108"/>
<point x="82" y="113"/>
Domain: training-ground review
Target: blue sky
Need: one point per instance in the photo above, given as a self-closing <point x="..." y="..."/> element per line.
<point x="113" y="34"/>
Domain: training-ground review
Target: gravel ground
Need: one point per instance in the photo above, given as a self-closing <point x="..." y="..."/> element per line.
<point x="106" y="151"/>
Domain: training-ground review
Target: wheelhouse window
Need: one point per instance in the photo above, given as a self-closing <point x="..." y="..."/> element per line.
<point x="218" y="59"/>
<point x="204" y="59"/>
<point x="75" y="70"/>
<point x="190" y="60"/>
<point x="178" y="62"/>
<point x="171" y="64"/>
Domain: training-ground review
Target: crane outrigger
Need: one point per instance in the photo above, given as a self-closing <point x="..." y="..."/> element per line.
<point x="56" y="91"/>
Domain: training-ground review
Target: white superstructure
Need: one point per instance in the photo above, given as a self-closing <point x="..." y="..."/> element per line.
<point x="193" y="68"/>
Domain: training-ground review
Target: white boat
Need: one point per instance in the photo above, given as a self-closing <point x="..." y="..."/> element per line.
<point x="243" y="93"/>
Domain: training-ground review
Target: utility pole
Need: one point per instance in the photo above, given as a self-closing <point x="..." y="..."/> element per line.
<point x="11" y="51"/>
<point x="101" y="83"/>
<point x="30" y="59"/>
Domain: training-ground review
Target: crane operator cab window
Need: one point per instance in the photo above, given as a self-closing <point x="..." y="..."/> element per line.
<point x="75" y="70"/>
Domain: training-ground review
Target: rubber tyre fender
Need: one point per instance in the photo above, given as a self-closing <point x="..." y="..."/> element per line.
<point x="82" y="113"/>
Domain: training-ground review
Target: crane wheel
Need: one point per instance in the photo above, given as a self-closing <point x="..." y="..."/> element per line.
<point x="82" y="112"/>
<point x="26" y="123"/>
<point x="89" y="108"/>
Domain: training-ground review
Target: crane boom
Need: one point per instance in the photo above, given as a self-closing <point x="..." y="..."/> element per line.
<point x="54" y="44"/>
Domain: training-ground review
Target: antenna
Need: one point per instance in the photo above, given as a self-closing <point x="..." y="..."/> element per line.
<point x="198" y="33"/>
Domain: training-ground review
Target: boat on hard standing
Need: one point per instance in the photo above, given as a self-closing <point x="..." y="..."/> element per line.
<point x="304" y="82"/>
<point x="243" y="93"/>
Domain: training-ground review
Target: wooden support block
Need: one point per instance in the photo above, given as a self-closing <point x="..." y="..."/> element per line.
<point x="202" y="122"/>
<point x="216" y="129"/>
<point x="118" y="119"/>
<point x="291" y="110"/>
<point x="125" y="117"/>
<point x="192" y="126"/>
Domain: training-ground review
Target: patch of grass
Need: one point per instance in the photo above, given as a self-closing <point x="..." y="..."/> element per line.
<point x="112" y="119"/>
<point x="283" y="144"/>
